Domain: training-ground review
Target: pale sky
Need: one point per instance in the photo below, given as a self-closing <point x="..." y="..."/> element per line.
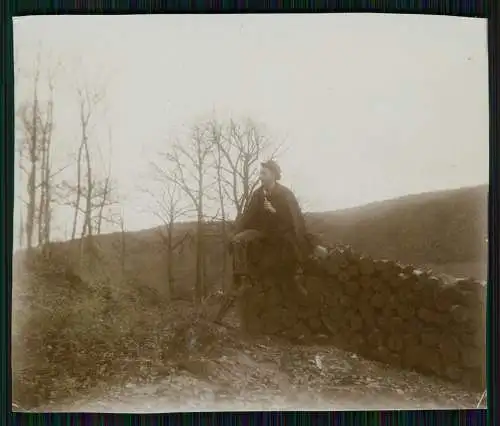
<point x="371" y="106"/>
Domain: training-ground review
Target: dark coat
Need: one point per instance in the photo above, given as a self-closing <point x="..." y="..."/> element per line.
<point x="287" y="224"/>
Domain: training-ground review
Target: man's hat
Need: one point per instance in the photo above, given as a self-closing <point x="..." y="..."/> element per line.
<point x="273" y="166"/>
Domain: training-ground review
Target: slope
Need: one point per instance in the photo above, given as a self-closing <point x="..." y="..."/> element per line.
<point x="445" y="230"/>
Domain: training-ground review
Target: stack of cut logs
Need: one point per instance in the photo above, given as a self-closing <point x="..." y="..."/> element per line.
<point x="382" y="310"/>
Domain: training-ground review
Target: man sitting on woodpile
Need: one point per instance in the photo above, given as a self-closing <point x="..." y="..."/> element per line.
<point x="274" y="223"/>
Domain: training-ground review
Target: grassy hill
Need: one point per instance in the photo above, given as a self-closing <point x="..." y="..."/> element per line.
<point x="105" y="317"/>
<point x="445" y="230"/>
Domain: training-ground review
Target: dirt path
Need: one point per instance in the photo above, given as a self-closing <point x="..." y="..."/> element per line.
<point x="266" y="375"/>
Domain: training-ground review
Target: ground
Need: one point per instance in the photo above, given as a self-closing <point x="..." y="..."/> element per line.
<point x="261" y="374"/>
<point x="444" y="231"/>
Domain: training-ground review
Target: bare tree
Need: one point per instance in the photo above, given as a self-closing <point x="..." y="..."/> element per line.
<point x="29" y="115"/>
<point x="103" y="198"/>
<point x="105" y="194"/>
<point x="35" y="149"/>
<point x="19" y="147"/>
<point x="19" y="152"/>
<point x="188" y="165"/>
<point x="44" y="210"/>
<point x="168" y="207"/>
<point x="218" y="152"/>
<point x="237" y="148"/>
<point x="88" y="100"/>
<point x="242" y="147"/>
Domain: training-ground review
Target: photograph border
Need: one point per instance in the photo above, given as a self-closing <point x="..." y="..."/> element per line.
<point x="478" y="9"/>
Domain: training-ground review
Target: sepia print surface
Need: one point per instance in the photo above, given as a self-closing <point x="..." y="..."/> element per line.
<point x="249" y="212"/>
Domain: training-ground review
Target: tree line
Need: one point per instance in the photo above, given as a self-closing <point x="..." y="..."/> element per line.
<point x="92" y="189"/>
<point x="215" y="165"/>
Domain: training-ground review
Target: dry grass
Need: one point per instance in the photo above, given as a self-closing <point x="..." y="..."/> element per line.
<point x="446" y="230"/>
<point x="77" y="326"/>
<point x="70" y="335"/>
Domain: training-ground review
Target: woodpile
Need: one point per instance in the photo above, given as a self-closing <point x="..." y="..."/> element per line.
<point x="382" y="310"/>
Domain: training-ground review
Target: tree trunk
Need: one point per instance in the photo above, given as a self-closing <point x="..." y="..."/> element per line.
<point x="170" y="258"/>
<point x="224" y="284"/>
<point x="123" y="247"/>
<point x="41" y="203"/>
<point x="78" y="190"/>
<point x="21" y="210"/>
<point x="88" y="198"/>
<point x="47" y="179"/>
<point x="47" y="215"/>
<point x="200" y="273"/>
<point x="102" y="204"/>
<point x="30" y="218"/>
<point x="33" y="156"/>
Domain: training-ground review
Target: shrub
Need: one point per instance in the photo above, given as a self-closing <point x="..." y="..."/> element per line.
<point x="71" y="334"/>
